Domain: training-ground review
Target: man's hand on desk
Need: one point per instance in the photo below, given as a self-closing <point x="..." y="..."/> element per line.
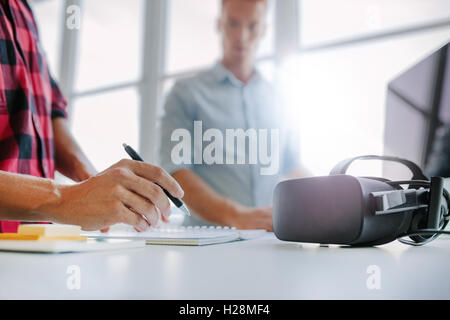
<point x="252" y="218"/>
<point x="213" y="207"/>
<point x="124" y="193"/>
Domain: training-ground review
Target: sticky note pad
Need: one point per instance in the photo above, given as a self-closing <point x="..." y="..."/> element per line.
<point x="15" y="236"/>
<point x="49" y="230"/>
<point x="30" y="237"/>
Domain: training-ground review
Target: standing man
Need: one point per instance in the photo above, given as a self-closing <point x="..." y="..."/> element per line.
<point x="35" y="141"/>
<point x="231" y="95"/>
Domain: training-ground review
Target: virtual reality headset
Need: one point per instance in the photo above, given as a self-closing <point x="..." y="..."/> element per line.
<point x="361" y="211"/>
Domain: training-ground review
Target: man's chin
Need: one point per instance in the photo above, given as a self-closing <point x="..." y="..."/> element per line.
<point x="242" y="56"/>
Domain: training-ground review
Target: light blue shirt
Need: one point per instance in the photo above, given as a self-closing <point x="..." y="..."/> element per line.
<point x="222" y="102"/>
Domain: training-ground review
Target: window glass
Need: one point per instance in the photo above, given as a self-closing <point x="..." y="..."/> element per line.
<point x="337" y="97"/>
<point x="110" y="43"/>
<point x="102" y="123"/>
<point x="323" y="21"/>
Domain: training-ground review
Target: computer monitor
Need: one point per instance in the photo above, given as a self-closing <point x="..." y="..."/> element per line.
<point x="418" y="106"/>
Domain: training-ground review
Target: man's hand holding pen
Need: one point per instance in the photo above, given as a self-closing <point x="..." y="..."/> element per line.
<point x="124" y="193"/>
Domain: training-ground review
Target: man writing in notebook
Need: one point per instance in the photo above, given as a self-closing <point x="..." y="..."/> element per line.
<point x="35" y="141"/>
<point x="231" y="107"/>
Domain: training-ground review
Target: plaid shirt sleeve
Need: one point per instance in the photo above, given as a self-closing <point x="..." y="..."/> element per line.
<point x="58" y="102"/>
<point x="29" y="98"/>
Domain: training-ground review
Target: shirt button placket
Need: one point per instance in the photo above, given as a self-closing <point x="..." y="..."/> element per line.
<point x="249" y="123"/>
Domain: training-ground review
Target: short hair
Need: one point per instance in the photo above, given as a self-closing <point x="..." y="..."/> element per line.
<point x="266" y="2"/>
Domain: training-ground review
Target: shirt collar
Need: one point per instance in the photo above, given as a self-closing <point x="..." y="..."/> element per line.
<point x="221" y="73"/>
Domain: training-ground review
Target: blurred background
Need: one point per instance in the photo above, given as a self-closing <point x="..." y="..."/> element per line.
<point x="331" y="61"/>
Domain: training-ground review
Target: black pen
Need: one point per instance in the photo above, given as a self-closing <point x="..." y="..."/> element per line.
<point x="177" y="202"/>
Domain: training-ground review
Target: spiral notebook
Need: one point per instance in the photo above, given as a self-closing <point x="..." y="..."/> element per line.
<point x="190" y="236"/>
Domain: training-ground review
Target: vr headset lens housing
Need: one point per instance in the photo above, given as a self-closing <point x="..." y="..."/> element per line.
<point x="347" y="210"/>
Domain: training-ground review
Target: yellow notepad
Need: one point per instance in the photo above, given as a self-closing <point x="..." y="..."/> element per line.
<point x="49" y="230"/>
<point x="45" y="232"/>
<point x="58" y="239"/>
<point x="31" y="237"/>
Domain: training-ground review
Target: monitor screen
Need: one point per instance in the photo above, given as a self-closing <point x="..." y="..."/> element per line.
<point x="417" y="108"/>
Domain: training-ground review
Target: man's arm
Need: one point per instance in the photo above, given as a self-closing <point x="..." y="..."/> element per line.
<point x="70" y="159"/>
<point x="215" y="208"/>
<point x="21" y="197"/>
<point x="124" y="193"/>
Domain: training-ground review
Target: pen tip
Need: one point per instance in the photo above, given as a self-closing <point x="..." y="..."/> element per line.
<point x="124" y="145"/>
<point x="186" y="210"/>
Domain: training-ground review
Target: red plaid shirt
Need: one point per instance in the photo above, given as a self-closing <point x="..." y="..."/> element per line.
<point x="29" y="98"/>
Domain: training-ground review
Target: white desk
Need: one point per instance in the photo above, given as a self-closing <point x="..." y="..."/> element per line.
<point x="259" y="269"/>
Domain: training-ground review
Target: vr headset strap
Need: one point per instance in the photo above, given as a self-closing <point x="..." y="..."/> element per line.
<point x="342" y="167"/>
